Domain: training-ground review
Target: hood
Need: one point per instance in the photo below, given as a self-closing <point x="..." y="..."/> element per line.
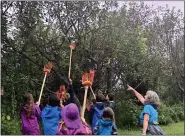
<point x="50" y="111"/>
<point x="105" y="122"/>
<point x="99" y="105"/>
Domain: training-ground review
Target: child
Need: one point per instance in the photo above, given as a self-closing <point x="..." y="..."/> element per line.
<point x="106" y="125"/>
<point x="51" y="115"/>
<point x="71" y="123"/>
<point x="110" y="101"/>
<point x="96" y="110"/>
<point x="71" y="96"/>
<point x="30" y="115"/>
<point x="90" y="114"/>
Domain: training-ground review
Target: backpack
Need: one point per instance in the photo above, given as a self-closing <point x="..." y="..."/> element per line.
<point x="63" y="130"/>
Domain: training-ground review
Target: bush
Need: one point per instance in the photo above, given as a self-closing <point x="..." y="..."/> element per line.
<point x="178" y="112"/>
<point x="9" y="126"/>
<point x="127" y="114"/>
<point x="171" y="113"/>
<point x="165" y="115"/>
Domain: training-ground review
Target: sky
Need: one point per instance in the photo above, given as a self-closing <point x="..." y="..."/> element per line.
<point x="171" y="4"/>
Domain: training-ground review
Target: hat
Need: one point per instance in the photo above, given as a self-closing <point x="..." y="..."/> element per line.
<point x="71" y="116"/>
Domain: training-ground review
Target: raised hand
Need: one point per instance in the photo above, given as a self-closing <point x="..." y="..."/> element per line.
<point x="38" y="103"/>
<point x="130" y="88"/>
<point x="70" y="81"/>
<point x="83" y="119"/>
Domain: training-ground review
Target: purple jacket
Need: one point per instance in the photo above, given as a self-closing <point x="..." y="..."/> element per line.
<point x="30" y="125"/>
<point x="63" y="130"/>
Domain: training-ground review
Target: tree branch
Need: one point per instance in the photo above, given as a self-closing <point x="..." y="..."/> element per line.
<point x="7" y="8"/>
<point x="180" y="87"/>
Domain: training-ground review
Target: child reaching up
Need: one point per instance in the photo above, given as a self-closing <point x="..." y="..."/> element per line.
<point x="106" y="125"/>
<point x="30" y="116"/>
<point x="51" y="115"/>
<point x="96" y="109"/>
<point x="71" y="96"/>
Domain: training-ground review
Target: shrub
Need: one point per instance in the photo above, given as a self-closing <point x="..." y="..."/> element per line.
<point x="127" y="114"/>
<point x="178" y="112"/>
<point x="9" y="126"/>
<point x="165" y="114"/>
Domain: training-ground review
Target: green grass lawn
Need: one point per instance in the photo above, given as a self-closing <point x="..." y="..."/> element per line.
<point x="172" y="129"/>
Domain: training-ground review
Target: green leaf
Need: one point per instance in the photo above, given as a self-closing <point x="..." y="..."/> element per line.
<point x="3" y="118"/>
<point x="8" y="117"/>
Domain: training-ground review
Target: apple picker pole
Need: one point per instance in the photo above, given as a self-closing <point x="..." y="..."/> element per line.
<point x="72" y="47"/>
<point x="92" y="79"/>
<point x="87" y="80"/>
<point x="47" y="69"/>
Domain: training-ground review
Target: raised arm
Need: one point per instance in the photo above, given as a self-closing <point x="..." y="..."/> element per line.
<point x="37" y="111"/>
<point x="71" y="91"/>
<point x="138" y="95"/>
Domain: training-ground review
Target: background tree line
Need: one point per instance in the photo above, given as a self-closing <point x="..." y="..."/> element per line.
<point x="135" y="44"/>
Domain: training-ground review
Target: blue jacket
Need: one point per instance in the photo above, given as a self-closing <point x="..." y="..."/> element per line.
<point x="51" y="117"/>
<point x="105" y="127"/>
<point x="97" y="111"/>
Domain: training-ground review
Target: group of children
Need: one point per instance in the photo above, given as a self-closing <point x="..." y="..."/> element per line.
<point x="101" y="115"/>
<point x="59" y="118"/>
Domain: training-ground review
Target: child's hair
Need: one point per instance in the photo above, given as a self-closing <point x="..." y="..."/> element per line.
<point x="28" y="103"/>
<point x="53" y="100"/>
<point x="100" y="97"/>
<point x="111" y="96"/>
<point x="108" y="113"/>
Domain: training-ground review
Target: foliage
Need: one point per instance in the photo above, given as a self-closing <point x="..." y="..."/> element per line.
<point x="127" y="114"/>
<point x="164" y="115"/>
<point x="171" y="113"/>
<point x="177" y="112"/>
<point x="10" y="126"/>
<point x="135" y="45"/>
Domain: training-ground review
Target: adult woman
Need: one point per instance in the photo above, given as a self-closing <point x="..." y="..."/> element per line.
<point x="149" y="114"/>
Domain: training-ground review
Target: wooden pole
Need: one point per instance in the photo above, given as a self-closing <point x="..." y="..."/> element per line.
<point x="84" y="103"/>
<point x="70" y="63"/>
<point x="42" y="86"/>
<point x="92" y="92"/>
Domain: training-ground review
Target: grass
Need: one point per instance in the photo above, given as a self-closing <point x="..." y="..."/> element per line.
<point x="172" y="129"/>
